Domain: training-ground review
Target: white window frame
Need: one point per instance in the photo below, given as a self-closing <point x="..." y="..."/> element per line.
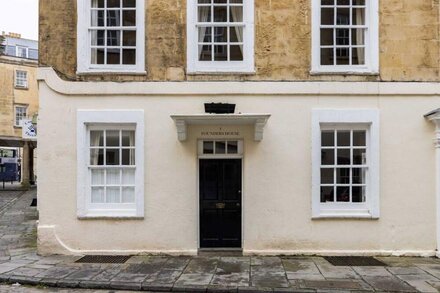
<point x="121" y="118"/>
<point x="194" y="66"/>
<point x="18" y="123"/>
<point x="17" y="51"/>
<point x="324" y="119"/>
<point x="371" y="65"/>
<point x="17" y="79"/>
<point x="84" y="64"/>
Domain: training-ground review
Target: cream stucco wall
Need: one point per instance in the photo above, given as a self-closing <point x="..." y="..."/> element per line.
<point x="277" y="183"/>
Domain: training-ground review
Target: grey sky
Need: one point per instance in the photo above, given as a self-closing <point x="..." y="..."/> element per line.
<point x="19" y="16"/>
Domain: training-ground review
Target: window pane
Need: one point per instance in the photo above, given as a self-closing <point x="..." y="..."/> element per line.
<point x="342" y="36"/>
<point x="205" y="53"/>
<point x="232" y="147"/>
<point x="129" y="38"/>
<point x="97" y="157"/>
<point x="97" y="195"/>
<point x="97" y="56"/>
<point x="358" y="36"/>
<point x="343" y="175"/>
<point x="343" y="16"/>
<point x="128" y="157"/>
<point x="327" y="56"/>
<point x="128" y="177"/>
<point x="204" y="14"/>
<point x="343" y="194"/>
<point x="359" y="156"/>
<point x="236" y="34"/>
<point x="220" y="34"/>
<point x="236" y="14"/>
<point x="358" y="176"/>
<point x="98" y="177"/>
<point x="98" y="3"/>
<point x="208" y="147"/>
<point x="205" y="34"/>
<point x="221" y="53"/>
<point x="98" y="38"/>
<point x="236" y="53"/>
<point x="327" y="176"/>
<point x="343" y="138"/>
<point x="128" y="138"/>
<point x="113" y="3"/>
<point x="113" y="56"/>
<point x="327" y="16"/>
<point x="328" y="157"/>
<point x="326" y="37"/>
<point x="129" y="3"/>
<point x="97" y="18"/>
<point x="129" y="18"/>
<point x="358" y="2"/>
<point x="327" y="194"/>
<point x="112" y="138"/>
<point x="112" y="157"/>
<point x="129" y="56"/>
<point x="113" y="195"/>
<point x="220" y="147"/>
<point x="343" y="2"/>
<point x="327" y="2"/>
<point x="220" y="14"/>
<point x="127" y="194"/>
<point x="342" y="56"/>
<point x="113" y="38"/>
<point x="359" y="138"/>
<point x="113" y="177"/>
<point x="327" y="138"/>
<point x="344" y="157"/>
<point x="358" y="56"/>
<point x="96" y="138"/>
<point x="358" y="16"/>
<point x="358" y="194"/>
<point x="113" y="18"/>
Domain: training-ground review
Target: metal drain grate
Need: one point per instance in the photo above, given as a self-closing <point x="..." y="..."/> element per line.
<point x="103" y="259"/>
<point x="360" y="261"/>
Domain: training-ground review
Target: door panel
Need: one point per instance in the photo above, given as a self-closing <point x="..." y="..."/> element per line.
<point x="220" y="203"/>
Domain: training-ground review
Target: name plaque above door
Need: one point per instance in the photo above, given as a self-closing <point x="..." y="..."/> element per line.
<point x="220" y="133"/>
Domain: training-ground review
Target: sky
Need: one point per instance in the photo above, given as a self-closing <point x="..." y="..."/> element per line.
<point x="19" y="16"/>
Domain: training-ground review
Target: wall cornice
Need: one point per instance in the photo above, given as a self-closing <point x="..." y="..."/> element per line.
<point x="251" y="88"/>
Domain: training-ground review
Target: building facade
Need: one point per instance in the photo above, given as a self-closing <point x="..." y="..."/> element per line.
<point x="19" y="100"/>
<point x="328" y="150"/>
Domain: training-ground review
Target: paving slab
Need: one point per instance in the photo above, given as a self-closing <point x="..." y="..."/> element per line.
<point x="231" y="279"/>
<point x="197" y="279"/>
<point x="372" y="271"/>
<point x="392" y="284"/>
<point x="332" y="272"/>
<point x="202" y="265"/>
<point x="337" y="284"/>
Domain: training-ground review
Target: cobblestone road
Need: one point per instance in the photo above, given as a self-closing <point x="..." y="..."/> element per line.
<point x="19" y="263"/>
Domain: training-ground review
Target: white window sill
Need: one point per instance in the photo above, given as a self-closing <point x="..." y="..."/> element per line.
<point x="343" y="72"/>
<point x="219" y="72"/>
<point x="111" y="72"/>
<point x="111" y="214"/>
<point x="344" y="215"/>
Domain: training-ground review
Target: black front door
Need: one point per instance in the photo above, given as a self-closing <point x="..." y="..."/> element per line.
<point x="220" y="203"/>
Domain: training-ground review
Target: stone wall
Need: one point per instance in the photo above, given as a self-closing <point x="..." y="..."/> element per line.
<point x="409" y="41"/>
<point x="11" y="96"/>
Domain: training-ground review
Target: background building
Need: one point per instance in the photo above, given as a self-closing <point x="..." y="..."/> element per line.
<point x="19" y="101"/>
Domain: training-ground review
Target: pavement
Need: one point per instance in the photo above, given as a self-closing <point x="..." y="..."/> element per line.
<point x="19" y="264"/>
